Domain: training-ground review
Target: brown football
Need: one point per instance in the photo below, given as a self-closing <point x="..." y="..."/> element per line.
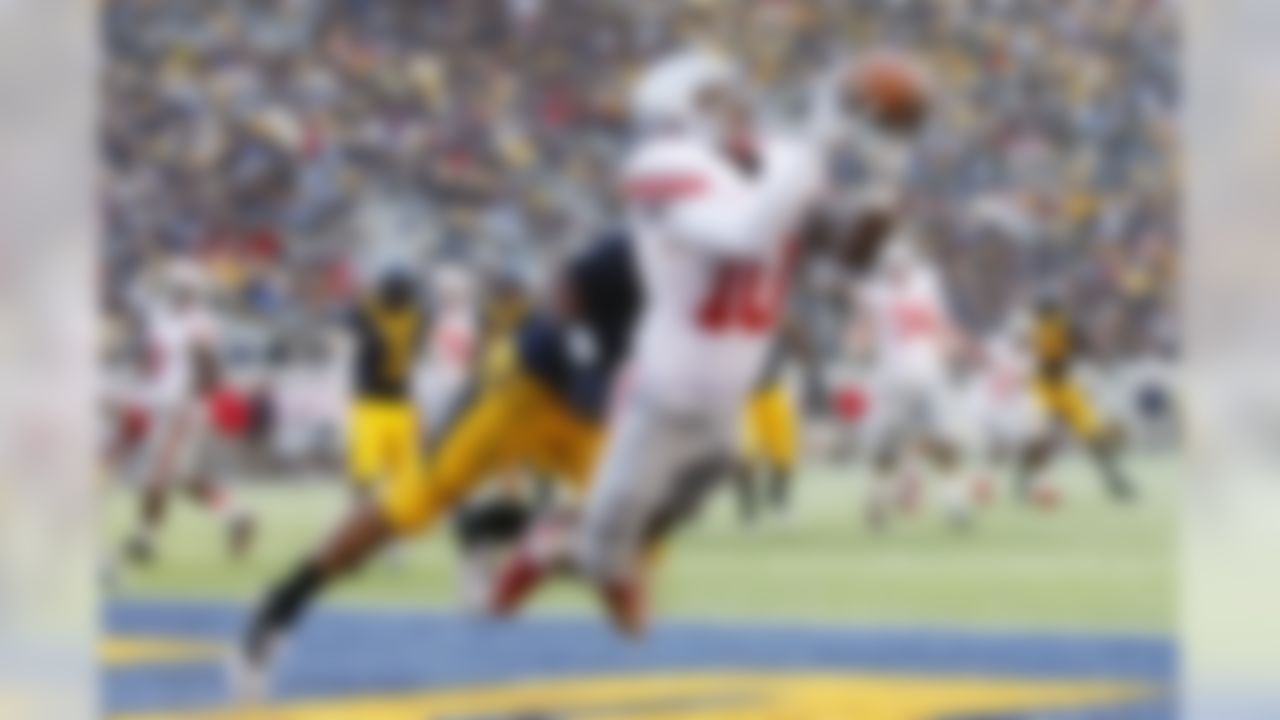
<point x="892" y="89"/>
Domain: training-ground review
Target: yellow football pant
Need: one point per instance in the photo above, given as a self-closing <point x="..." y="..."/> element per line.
<point x="510" y="423"/>
<point x="383" y="442"/>
<point x="1065" y="401"/>
<point x="772" y="428"/>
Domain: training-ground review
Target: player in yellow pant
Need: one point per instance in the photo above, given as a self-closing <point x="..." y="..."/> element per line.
<point x="512" y="423"/>
<point x="383" y="443"/>
<point x="1066" y="402"/>
<point x="1056" y="344"/>
<point x="546" y="413"/>
<point x="771" y="442"/>
<point x="383" y="434"/>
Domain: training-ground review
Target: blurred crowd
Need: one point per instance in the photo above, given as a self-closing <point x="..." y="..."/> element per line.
<point x="288" y="144"/>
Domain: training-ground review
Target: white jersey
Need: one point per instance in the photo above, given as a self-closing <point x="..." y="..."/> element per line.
<point x="173" y="336"/>
<point x="1001" y="400"/>
<point x="913" y="394"/>
<point x="714" y="244"/>
<point x="448" y="363"/>
<point x="1006" y="374"/>
<point x="910" y="321"/>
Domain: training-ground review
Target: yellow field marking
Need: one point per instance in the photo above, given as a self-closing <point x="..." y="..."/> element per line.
<point x="115" y="651"/>
<point x="710" y="696"/>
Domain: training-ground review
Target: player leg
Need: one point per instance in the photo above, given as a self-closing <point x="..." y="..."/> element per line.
<point x="647" y="453"/>
<point x="1034" y="437"/>
<point x="651" y="457"/>
<point x="1033" y="457"/>
<point x="366" y="449"/>
<point x="564" y="453"/>
<point x="684" y="503"/>
<point x="364" y="531"/>
<point x="780" y="445"/>
<point x="214" y="497"/>
<point x="479" y="443"/>
<point x="204" y="482"/>
<point x="946" y="459"/>
<point x="163" y="455"/>
<point x="403" y="462"/>
<point x="946" y="429"/>
<point x="1042" y="444"/>
<point x="886" y="461"/>
<point x="485" y="530"/>
<point x="383" y="446"/>
<point x="885" y="442"/>
<point x="1105" y="451"/>
<point x="987" y="441"/>
<point x="1080" y="416"/>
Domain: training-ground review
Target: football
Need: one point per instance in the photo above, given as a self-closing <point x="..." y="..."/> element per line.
<point x="892" y="89"/>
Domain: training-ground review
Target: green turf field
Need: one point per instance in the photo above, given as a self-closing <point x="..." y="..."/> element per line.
<point x="1087" y="565"/>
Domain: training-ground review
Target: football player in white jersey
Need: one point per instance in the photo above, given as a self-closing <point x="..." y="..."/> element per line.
<point x="451" y="347"/>
<point x="905" y="321"/>
<point x="715" y="208"/>
<point x="1006" y="417"/>
<point x="181" y="447"/>
<point x="867" y="118"/>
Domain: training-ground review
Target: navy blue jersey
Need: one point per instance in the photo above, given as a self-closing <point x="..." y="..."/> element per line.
<point x="387" y="343"/>
<point x="578" y="353"/>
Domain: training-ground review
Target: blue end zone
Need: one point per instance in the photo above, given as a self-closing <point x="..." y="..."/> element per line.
<point x="341" y="652"/>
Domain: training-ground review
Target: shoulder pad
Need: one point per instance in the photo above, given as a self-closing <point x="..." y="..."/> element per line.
<point x="667" y="170"/>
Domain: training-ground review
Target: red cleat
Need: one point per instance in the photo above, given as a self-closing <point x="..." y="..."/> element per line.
<point x="544" y="551"/>
<point x="515" y="584"/>
<point x="625" y="603"/>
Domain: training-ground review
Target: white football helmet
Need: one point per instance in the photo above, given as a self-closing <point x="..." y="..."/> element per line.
<point x="674" y="94"/>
